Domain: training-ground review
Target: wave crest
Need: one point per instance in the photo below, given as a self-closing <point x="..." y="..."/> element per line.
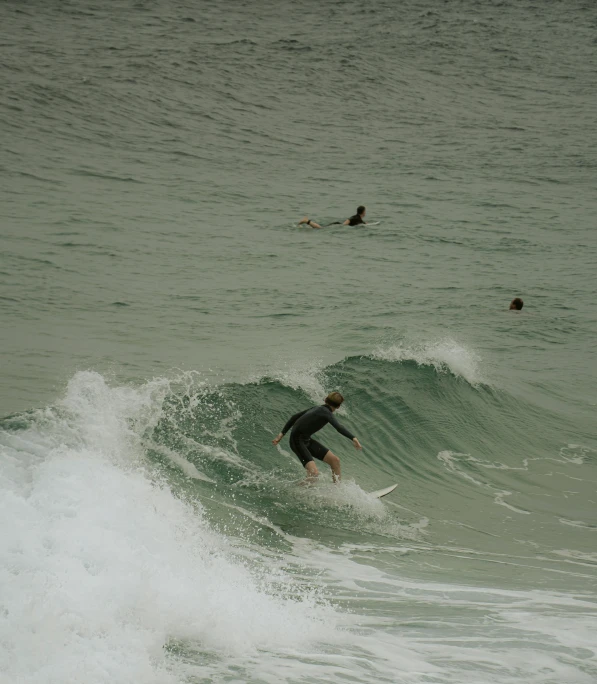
<point x="444" y="355"/>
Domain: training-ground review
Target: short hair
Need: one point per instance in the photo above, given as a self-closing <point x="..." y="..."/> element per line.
<point x="518" y="303"/>
<point x="360" y="209"/>
<point x="334" y="399"/>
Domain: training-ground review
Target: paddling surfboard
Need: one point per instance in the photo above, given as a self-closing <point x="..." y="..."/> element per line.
<point x="383" y="492"/>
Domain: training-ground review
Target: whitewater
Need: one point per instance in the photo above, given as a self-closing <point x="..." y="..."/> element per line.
<point x="162" y="314"/>
<point x="134" y="566"/>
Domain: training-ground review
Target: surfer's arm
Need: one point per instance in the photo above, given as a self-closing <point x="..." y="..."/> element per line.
<point x="340" y="428"/>
<point x="291" y="421"/>
<point x="346" y="223"/>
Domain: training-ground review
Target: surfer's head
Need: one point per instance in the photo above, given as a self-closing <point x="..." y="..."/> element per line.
<point x="334" y="400"/>
<point x="361" y="210"/>
<point x="516" y="304"/>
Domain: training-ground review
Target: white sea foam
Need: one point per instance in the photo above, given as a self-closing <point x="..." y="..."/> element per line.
<point x="444" y="355"/>
<point x="571" y="554"/>
<point x="576" y="454"/>
<point x="187" y="468"/>
<point x="551" y="643"/>
<point x="347" y="493"/>
<point x="450" y="460"/>
<point x="307" y="377"/>
<point x="106" y="576"/>
<point x="578" y="523"/>
<point x="101" y="568"/>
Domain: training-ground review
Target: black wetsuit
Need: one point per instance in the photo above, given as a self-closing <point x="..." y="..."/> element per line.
<point x="305" y="424"/>
<point x="355" y="220"/>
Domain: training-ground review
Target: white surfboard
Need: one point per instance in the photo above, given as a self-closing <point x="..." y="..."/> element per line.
<point x="382" y="492"/>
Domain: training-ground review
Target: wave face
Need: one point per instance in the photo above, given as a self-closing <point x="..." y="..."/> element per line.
<point x="159" y="535"/>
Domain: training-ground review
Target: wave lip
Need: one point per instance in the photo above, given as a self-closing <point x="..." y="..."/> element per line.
<point x="444" y="355"/>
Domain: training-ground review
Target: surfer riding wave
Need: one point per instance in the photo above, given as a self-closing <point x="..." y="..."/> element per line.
<point x="304" y="424"/>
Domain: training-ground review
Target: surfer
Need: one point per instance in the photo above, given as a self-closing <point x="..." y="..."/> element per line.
<point x="355" y="220"/>
<point x="305" y="424"/>
<point x="516" y="304"/>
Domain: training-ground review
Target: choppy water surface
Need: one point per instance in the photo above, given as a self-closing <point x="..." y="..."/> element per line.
<point x="162" y="315"/>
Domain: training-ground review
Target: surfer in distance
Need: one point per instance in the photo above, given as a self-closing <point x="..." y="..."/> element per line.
<point x="516" y="304"/>
<point x="355" y="220"/>
<point x="304" y="424"/>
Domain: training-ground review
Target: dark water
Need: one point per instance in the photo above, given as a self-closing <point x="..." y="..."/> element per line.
<point x="162" y="315"/>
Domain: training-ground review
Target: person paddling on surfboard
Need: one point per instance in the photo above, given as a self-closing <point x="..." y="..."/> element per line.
<point x="304" y="425"/>
<point x="355" y="220"/>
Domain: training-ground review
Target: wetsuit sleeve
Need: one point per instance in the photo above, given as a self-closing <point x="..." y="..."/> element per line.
<point x="341" y="429"/>
<point x="292" y="420"/>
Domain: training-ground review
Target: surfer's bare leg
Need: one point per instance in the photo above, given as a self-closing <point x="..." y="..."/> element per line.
<point x="312" y="473"/>
<point x="334" y="462"/>
<point x="308" y="221"/>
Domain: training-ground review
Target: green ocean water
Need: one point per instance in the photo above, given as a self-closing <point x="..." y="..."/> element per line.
<point x="162" y="314"/>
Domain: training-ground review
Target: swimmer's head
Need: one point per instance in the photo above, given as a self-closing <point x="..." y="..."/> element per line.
<point x="334" y="400"/>
<point x="361" y="210"/>
<point x="516" y="304"/>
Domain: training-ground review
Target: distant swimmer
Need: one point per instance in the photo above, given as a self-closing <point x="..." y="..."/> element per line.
<point x="305" y="424"/>
<point x="516" y="304"/>
<point x="355" y="220"/>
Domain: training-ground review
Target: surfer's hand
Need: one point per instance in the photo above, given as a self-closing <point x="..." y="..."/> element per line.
<point x="276" y="441"/>
<point x="357" y="444"/>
